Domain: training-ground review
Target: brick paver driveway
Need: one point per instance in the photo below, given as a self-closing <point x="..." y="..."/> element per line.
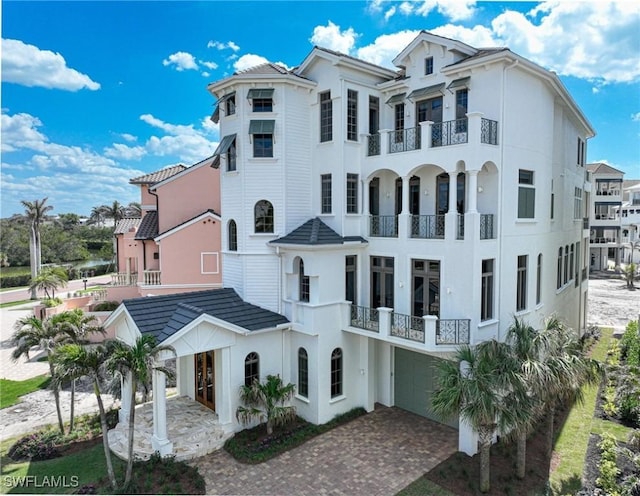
<point x="376" y="454"/>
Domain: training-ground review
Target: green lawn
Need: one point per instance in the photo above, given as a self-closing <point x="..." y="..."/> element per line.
<point x="14" y="303"/>
<point x="10" y="391"/>
<point x="424" y="487"/>
<point x="60" y="475"/>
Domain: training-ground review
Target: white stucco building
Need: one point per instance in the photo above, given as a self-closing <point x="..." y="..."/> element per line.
<point x="375" y="219"/>
<point x="630" y="221"/>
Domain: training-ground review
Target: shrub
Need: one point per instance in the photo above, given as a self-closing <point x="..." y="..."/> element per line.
<point x="52" y="302"/>
<point x="38" y="446"/>
<point x="106" y="306"/>
<point x="607" y="467"/>
<point x="630" y="345"/>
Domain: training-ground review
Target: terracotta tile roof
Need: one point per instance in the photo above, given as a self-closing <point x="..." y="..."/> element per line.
<point x="125" y="225"/>
<point x="162" y="316"/>
<point x="157" y="176"/>
<point x="149" y="226"/>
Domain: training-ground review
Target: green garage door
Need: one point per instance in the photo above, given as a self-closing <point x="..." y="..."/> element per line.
<point x="415" y="379"/>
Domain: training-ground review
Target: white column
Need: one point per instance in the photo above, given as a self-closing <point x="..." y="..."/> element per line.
<point x="384" y="321"/>
<point x="160" y="441"/>
<point x="223" y="401"/>
<point x="473" y="191"/>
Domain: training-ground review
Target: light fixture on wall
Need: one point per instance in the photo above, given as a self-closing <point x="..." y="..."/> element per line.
<point x="426" y="192"/>
<point x="480" y="190"/>
<point x="388" y="195"/>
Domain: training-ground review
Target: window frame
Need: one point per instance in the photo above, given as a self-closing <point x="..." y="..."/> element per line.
<point x="351" y="278"/>
<point x="326" y="200"/>
<point x="304" y="290"/>
<point x="326" y="116"/>
<point x="526" y="194"/>
<point x="428" y="66"/>
<point x="303" y="373"/>
<point x="336" y="386"/>
<point x="268" y="216"/>
<point x="251" y="368"/>
<point x="352" y="115"/>
<point x="232" y="235"/>
<point x="539" y="280"/>
<point x="352" y="187"/>
<point x="262" y="145"/>
<point x="521" y="283"/>
<point x="487" y="289"/>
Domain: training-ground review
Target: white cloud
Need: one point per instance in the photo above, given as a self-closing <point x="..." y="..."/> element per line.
<point x="205" y="74"/>
<point x="222" y="46"/>
<point x="477" y="36"/>
<point x="27" y="65"/>
<point x="166" y="127"/>
<point x="20" y="131"/>
<point x="389" y="13"/>
<point x="385" y="47"/>
<point x="635" y="117"/>
<point x="128" y="137"/>
<point x="249" y="60"/>
<point x="456" y="10"/>
<point x="124" y="152"/>
<point x="209" y="65"/>
<point x="181" y="61"/>
<point x="332" y="37"/>
<point x="184" y="141"/>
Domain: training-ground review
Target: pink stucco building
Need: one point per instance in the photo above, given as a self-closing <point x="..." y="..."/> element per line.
<point x="175" y="245"/>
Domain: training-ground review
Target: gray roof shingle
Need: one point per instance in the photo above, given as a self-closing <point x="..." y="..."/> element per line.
<point x="149" y="226"/>
<point x="162" y="316"/>
<point x="315" y="232"/>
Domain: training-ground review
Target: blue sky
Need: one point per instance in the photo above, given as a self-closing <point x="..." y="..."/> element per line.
<point x="95" y="93"/>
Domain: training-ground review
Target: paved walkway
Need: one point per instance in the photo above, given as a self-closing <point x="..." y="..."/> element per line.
<point x="377" y="454"/>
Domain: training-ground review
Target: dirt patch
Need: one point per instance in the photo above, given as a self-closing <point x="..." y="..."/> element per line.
<point x="611" y="303"/>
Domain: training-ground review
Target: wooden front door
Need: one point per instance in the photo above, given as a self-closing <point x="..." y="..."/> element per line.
<point x="205" y="379"/>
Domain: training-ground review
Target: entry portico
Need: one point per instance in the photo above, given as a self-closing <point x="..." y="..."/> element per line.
<point x="210" y="332"/>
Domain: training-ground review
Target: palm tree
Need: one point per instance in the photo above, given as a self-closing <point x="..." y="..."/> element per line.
<point x="134" y="209"/>
<point x="266" y="402"/>
<point x="49" y="279"/>
<point x="137" y="362"/>
<point x="35" y="213"/>
<point x="31" y="331"/>
<point x="481" y="385"/>
<point x="75" y="327"/>
<point x="73" y="361"/>
<point x="97" y="216"/>
<point x="115" y="211"/>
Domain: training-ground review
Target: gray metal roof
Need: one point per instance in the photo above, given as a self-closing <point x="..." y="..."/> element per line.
<point x="162" y="316"/>
<point x="315" y="232"/>
<point x="149" y="226"/>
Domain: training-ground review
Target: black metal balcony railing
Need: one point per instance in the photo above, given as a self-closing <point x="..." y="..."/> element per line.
<point x="486" y="226"/>
<point x="404" y="140"/>
<point x="383" y="226"/>
<point x="373" y="145"/>
<point x="453" y="331"/>
<point x="489" y="132"/>
<point x="460" y="227"/>
<point x="449" y="132"/>
<point x="603" y="240"/>
<point x="427" y="226"/>
<point x="364" y="318"/>
<point x="407" y="327"/>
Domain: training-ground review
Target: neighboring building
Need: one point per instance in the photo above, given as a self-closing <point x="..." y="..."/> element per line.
<point x="630" y="221"/>
<point x="373" y="221"/>
<point x="175" y="246"/>
<point x="604" y="218"/>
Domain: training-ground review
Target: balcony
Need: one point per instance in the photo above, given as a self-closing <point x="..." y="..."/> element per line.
<point x="603" y="241"/>
<point x="404" y="140"/>
<point x="486" y="226"/>
<point x="489" y="132"/>
<point x="373" y="145"/>
<point x="152" y="278"/>
<point x="383" y="226"/>
<point x="124" y="279"/>
<point x="424" y="333"/>
<point x="427" y="226"/>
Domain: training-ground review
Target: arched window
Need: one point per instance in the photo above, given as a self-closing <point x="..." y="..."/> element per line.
<point x="304" y="282"/>
<point x="251" y="368"/>
<point x="336" y="373"/>
<point x="303" y="373"/>
<point x="233" y="235"/>
<point x="264" y="217"/>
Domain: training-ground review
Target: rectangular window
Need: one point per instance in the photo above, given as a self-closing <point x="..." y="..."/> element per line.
<point x="325" y="193"/>
<point x="559" y="270"/>
<point x="577" y="203"/>
<point x="430" y="110"/>
<point x="350" y="283"/>
<point x="581" y="152"/>
<point x="571" y="261"/>
<point x="352" y="193"/>
<point x="521" y="283"/>
<point x="398" y="120"/>
<point x="539" y="280"/>
<point x="261" y="99"/>
<point x="486" y="304"/>
<point x="231" y="156"/>
<point x="352" y="115"/>
<point x="263" y="145"/>
<point x="577" y="264"/>
<point x="326" y="117"/>
<point x="382" y="282"/>
<point x="428" y="66"/>
<point x="526" y="195"/>
<point x="462" y="103"/>
<point x="303" y="373"/>
<point x="230" y="105"/>
<point x="425" y="288"/>
<point x="263" y="105"/>
<point x="374" y="114"/>
<point x="565" y="279"/>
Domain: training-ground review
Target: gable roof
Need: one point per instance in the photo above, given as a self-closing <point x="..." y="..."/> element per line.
<point x="206" y="213"/>
<point x="149" y="226"/>
<point x="602" y="168"/>
<point x="157" y="176"/>
<point x="162" y="316"/>
<point x="315" y="232"/>
<point x="183" y="172"/>
<point x="125" y="225"/>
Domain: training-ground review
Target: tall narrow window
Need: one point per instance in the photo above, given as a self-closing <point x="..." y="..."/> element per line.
<point x="521" y="283"/>
<point x="571" y="260"/>
<point x="382" y="282"/>
<point x="231" y="156"/>
<point x="326" y="117"/>
<point x="428" y="66"/>
<point x="336" y="373"/>
<point x="486" y="305"/>
<point x="577" y="264"/>
<point x="581" y="152"/>
<point x="526" y="195"/>
<point x="414" y="195"/>
<point x="462" y="103"/>
<point x="425" y="287"/>
<point x="352" y="115"/>
<point x="263" y="217"/>
<point x="374" y="114"/>
<point x="577" y="203"/>
<point x="325" y="194"/>
<point x="399" y="117"/>
<point x="233" y="235"/>
<point x="303" y="373"/>
<point x="565" y="279"/>
<point x="350" y="279"/>
<point x="251" y="368"/>
<point x="304" y="282"/>
<point x="539" y="280"/>
<point x="352" y="193"/>
<point x="559" y="270"/>
<point x="230" y="105"/>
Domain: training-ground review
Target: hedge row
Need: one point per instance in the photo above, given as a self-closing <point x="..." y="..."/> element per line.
<point x="21" y="280"/>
